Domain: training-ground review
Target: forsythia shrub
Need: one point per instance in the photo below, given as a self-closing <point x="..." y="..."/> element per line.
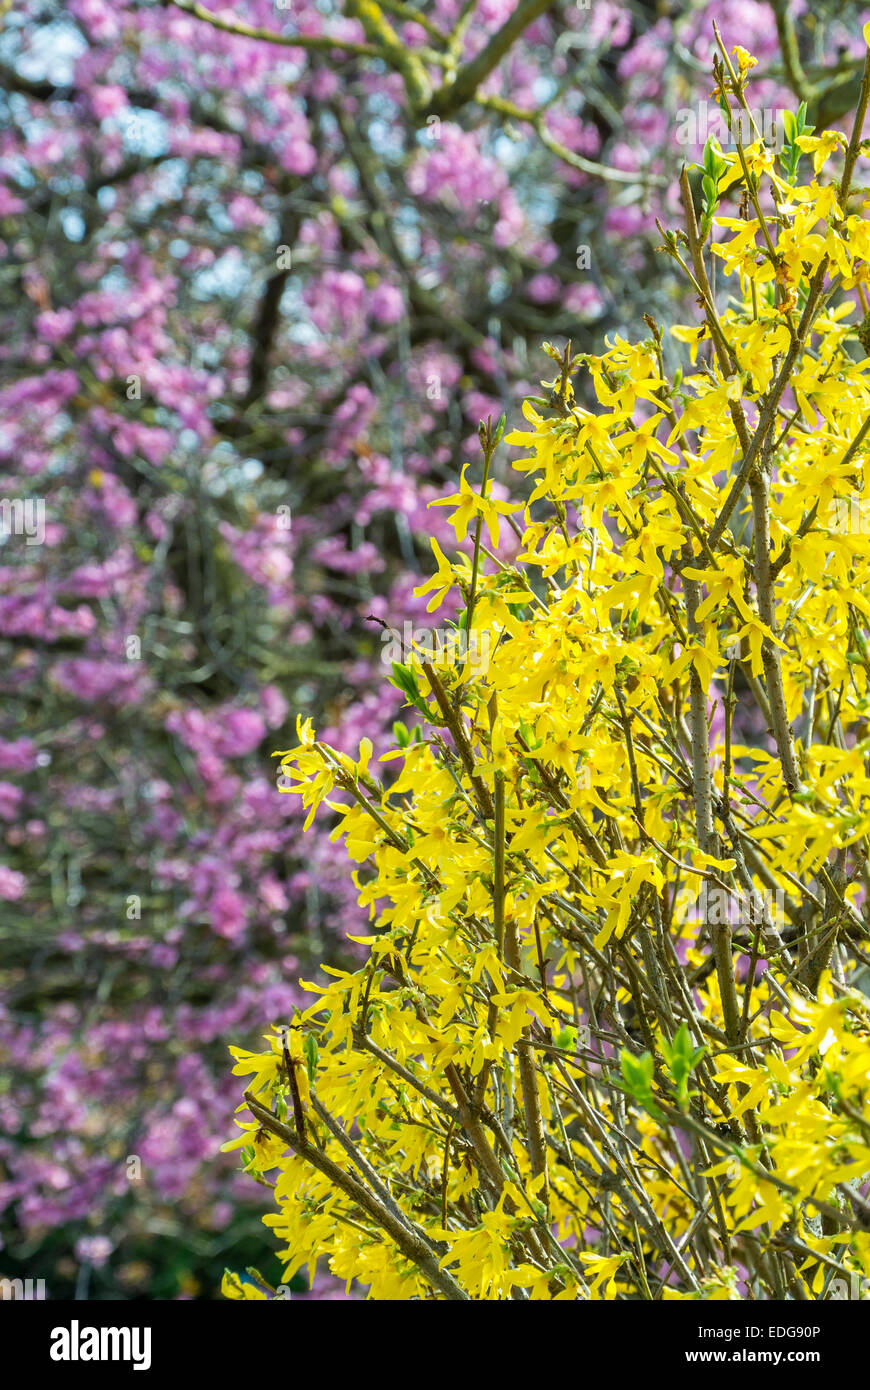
<point x="608" y="1040"/>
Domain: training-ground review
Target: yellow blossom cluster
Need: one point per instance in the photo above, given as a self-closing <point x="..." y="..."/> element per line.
<point x="548" y="1079"/>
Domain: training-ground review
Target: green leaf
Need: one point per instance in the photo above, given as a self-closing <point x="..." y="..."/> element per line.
<point x="789" y="126"/>
<point x="311" y="1055"/>
<point x="714" y="163"/>
<point x="637" y="1072"/>
<point x="405" y="680"/>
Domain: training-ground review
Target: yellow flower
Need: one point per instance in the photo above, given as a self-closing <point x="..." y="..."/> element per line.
<point x="441" y="583"/>
<point x="233" y="1286"/>
<point x="603" y="1270"/>
<point x="821" y="147"/>
<point x="745" y="60"/>
<point x="469" y="504"/>
<point x="724" y="585"/>
<point x="565" y="875"/>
